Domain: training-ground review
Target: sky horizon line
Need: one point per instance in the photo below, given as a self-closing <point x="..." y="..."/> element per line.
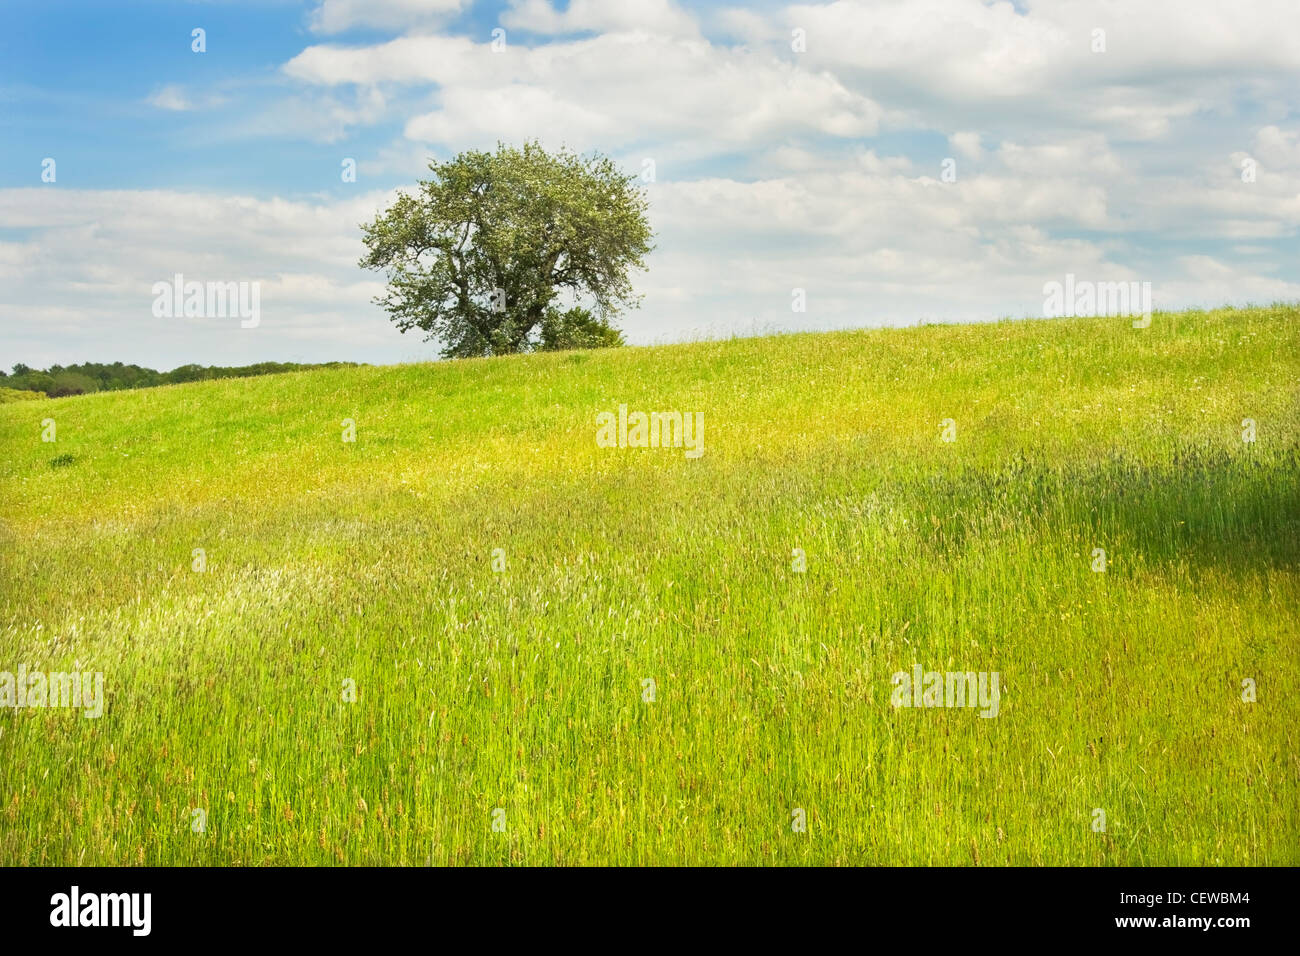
<point x="715" y="337"/>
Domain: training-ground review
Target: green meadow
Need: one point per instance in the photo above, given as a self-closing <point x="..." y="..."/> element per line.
<point x="473" y="636"/>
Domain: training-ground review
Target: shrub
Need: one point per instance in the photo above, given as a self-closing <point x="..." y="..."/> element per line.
<point x="18" y="395"/>
<point x="72" y="383"/>
<point x="577" y="329"/>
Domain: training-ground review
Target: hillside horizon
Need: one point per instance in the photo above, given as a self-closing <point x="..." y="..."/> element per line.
<point x="251" y="369"/>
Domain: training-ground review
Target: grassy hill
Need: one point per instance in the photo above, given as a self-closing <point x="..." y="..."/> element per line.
<point x="505" y="716"/>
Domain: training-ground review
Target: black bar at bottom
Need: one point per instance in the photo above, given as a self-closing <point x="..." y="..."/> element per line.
<point x="1223" y="906"/>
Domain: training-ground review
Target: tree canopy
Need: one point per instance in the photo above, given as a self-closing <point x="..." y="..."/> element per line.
<point x="480" y="257"/>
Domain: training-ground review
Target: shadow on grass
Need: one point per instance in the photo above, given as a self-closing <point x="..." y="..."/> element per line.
<point x="1237" y="511"/>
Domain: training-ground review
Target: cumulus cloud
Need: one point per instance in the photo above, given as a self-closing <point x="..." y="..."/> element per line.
<point x="78" y="286"/>
<point x="880" y="240"/>
<point x="607" y="91"/>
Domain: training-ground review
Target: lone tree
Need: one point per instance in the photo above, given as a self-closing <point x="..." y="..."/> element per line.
<point x="479" y="257"/>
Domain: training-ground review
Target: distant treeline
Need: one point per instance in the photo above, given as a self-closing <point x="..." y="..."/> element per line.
<point x="59" y="380"/>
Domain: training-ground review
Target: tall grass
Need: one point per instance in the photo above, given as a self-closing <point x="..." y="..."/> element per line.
<point x="524" y="691"/>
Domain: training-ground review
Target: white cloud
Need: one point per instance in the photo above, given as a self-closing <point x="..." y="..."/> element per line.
<point x="1278" y="149"/>
<point x="966" y="144"/>
<point x="608" y="91"/>
<point x="336" y="16"/>
<point x="177" y="99"/>
<point x="170" y="97"/>
<point x="78" y="287"/>
<point x="415" y="59"/>
<point x="876" y="241"/>
<point x="970" y="49"/>
<point x="318" y="116"/>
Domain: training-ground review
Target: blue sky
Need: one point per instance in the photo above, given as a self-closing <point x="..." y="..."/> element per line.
<point x="776" y="168"/>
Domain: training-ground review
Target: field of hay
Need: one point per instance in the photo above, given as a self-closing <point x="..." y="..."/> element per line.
<point x="474" y="636"/>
